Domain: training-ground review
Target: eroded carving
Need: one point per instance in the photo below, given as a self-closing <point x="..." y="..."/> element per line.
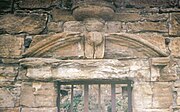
<point x="93" y="9"/>
<point x="131" y="45"/>
<point x="94" y="45"/>
<point x="52" y="43"/>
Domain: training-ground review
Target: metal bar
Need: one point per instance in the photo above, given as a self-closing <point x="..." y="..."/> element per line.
<point x="58" y="96"/>
<point x="12" y="6"/>
<point x="86" y="95"/>
<point x="99" y="97"/>
<point x="72" y="95"/>
<point x="129" y="97"/>
<point x="113" y="98"/>
<point x="95" y="82"/>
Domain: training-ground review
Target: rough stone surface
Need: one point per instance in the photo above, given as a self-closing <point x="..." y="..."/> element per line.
<point x="37" y="38"/>
<point x="135" y="17"/>
<point x="36" y="3"/>
<point x="92" y="11"/>
<point x="38" y="95"/>
<point x="8" y="74"/>
<point x="39" y="109"/>
<point x="9" y="109"/>
<point x="113" y="27"/>
<point x="61" y="15"/>
<point x="60" y="45"/>
<point x="94" y="25"/>
<point x="119" y="45"/>
<point x="162" y="95"/>
<point x="174" y="46"/>
<point x="165" y="68"/>
<point x="142" y="96"/>
<point x="74" y="26"/>
<point x="127" y="17"/>
<point x="174" y="25"/>
<point x="120" y="69"/>
<point x="32" y="24"/>
<point x="55" y="27"/>
<point x="147" y="27"/>
<point x="148" y="3"/>
<point x="9" y="96"/>
<point x="156" y="39"/>
<point x="11" y="46"/>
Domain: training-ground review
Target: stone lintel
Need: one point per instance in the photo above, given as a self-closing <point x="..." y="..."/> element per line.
<point x="83" y="70"/>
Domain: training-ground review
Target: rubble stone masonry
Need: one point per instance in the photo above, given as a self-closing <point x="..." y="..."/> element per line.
<point x="45" y="41"/>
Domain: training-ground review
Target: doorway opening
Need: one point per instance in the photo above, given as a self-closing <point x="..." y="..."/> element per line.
<point x="94" y="96"/>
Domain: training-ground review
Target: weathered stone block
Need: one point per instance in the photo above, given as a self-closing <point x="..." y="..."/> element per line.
<point x="141" y="75"/>
<point x="147" y="27"/>
<point x="74" y="26"/>
<point x="55" y="27"/>
<point x="10" y="61"/>
<point x="45" y="101"/>
<point x="142" y="96"/>
<point x="162" y="95"/>
<point x="113" y="27"/>
<point x="174" y="25"/>
<point x="27" y="97"/>
<point x="9" y="96"/>
<point x="37" y="3"/>
<point x="178" y="100"/>
<point x="174" y="46"/>
<point x="32" y="24"/>
<point x="77" y="69"/>
<point x="8" y="74"/>
<point x="148" y="3"/>
<point x="155" y="17"/>
<point x="139" y="16"/>
<point x="94" y="25"/>
<point x="39" y="109"/>
<point x="9" y="109"/>
<point x="93" y="11"/>
<point x="47" y="89"/>
<point x="61" y="15"/>
<point x="11" y="46"/>
<point x="127" y="17"/>
<point x="43" y="72"/>
<point x="38" y="95"/>
<point x="156" y="110"/>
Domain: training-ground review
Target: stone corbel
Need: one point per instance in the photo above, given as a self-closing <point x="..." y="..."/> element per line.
<point x="94" y="45"/>
<point x="160" y="61"/>
<point x="163" y="69"/>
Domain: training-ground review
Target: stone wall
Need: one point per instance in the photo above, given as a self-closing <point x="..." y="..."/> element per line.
<point x="137" y="39"/>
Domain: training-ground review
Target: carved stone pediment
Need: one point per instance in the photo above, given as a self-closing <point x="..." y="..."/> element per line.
<point x="66" y="44"/>
<point x="93" y="45"/>
<point x="130" y="45"/>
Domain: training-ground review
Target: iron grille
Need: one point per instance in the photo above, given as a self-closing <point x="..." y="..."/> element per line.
<point x="92" y="92"/>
